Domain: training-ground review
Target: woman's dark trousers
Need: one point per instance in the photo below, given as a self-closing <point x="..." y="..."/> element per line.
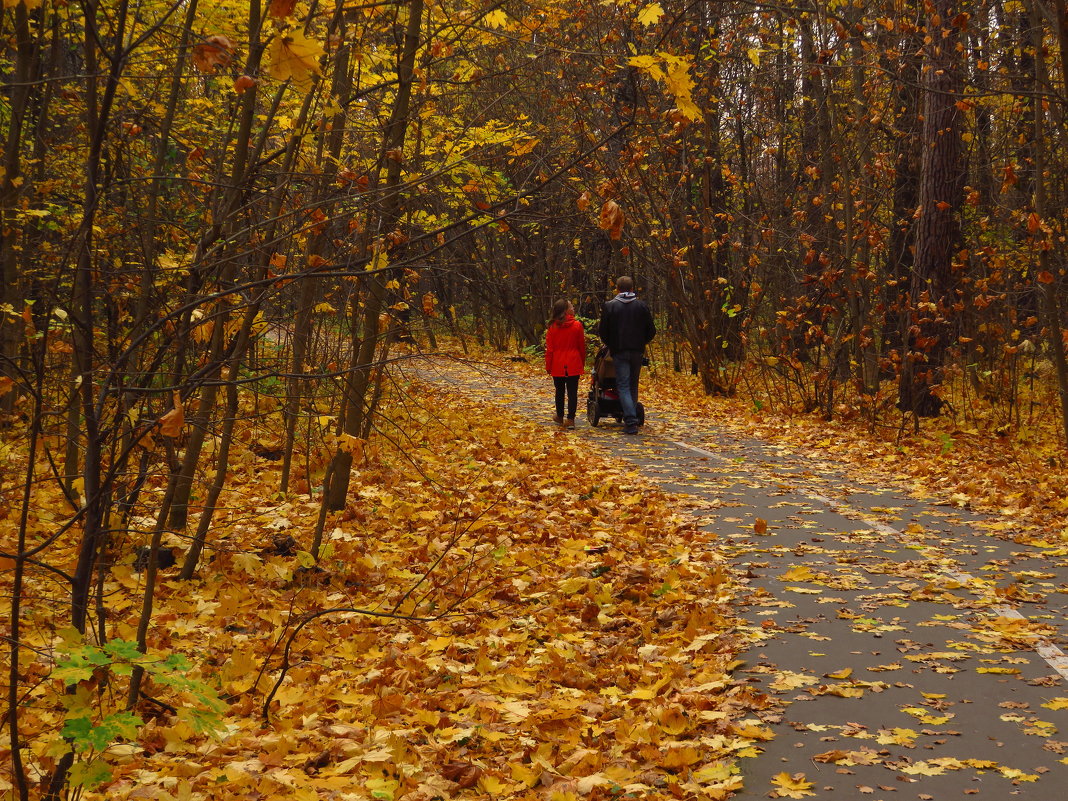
<point x="569" y="383"/>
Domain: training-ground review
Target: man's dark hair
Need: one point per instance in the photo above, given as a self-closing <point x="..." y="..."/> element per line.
<point x="624" y="284"/>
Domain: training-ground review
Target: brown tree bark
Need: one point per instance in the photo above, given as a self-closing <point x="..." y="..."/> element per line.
<point x="938" y="230"/>
<point x="365" y="322"/>
<point x="1047" y="281"/>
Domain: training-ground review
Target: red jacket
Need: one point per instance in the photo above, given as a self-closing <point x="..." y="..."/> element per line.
<point x="565" y="348"/>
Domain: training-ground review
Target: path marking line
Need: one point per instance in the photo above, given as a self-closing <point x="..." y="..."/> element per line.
<point x="1050" y="653"/>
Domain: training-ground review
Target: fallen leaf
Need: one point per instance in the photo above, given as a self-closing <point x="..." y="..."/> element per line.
<point x="792" y="786"/>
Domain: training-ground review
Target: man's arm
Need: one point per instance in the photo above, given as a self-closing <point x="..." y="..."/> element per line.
<point x="603" y="325"/>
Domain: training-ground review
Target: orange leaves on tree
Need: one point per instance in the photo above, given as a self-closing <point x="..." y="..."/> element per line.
<point x="244" y="83"/>
<point x="1045" y="277"/>
<point x="294" y="57"/>
<point x="350" y="444"/>
<point x="1008" y="178"/>
<point x="612" y="219"/>
<point x="429" y="304"/>
<point x="215" y="51"/>
<point x="281" y="8"/>
<point x="170" y="425"/>
<point x="583" y="201"/>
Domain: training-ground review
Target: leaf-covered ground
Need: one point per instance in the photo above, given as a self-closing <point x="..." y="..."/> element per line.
<point x="510" y="610"/>
<point x="538" y="622"/>
<point x="910" y="645"/>
<point x="971" y="460"/>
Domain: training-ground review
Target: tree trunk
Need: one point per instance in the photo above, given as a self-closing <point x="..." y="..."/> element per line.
<point x="1047" y="280"/>
<point x="366" y="322"/>
<point x="938" y="227"/>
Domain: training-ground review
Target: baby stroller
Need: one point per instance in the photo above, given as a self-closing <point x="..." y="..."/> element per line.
<point x="603" y="400"/>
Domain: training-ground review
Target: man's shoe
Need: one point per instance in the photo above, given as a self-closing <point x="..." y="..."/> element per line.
<point x="630" y="430"/>
<point x="569" y="423"/>
<point x="558" y="419"/>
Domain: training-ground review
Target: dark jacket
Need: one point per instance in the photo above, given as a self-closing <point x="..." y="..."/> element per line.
<point x="565" y="348"/>
<point x="626" y="324"/>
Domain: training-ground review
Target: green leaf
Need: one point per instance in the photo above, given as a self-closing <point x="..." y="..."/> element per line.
<point x="123" y="649"/>
<point x="200" y="721"/>
<point x="85" y="736"/>
<point x="89" y="774"/>
<point x="78" y="731"/>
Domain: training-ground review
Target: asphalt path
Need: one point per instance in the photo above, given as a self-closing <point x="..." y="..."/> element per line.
<point x="913" y="648"/>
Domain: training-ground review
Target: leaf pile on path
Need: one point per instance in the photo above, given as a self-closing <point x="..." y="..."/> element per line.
<point x="972" y="461"/>
<point x="538" y="623"/>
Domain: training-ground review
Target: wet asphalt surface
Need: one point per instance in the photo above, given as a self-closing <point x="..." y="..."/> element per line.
<point x="913" y="649"/>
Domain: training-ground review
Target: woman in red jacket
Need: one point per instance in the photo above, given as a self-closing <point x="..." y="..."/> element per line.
<point x="565" y="358"/>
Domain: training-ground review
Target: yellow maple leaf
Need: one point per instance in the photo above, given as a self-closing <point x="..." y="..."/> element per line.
<point x="840" y="690"/>
<point x="896" y="736"/>
<point x="681" y="757"/>
<point x="496" y="18"/>
<point x="1057" y="703"/>
<point x="510" y="685"/>
<point x="751" y="732"/>
<point x="294" y="57"/>
<point x="713" y="772"/>
<point x="527" y="776"/>
<point x="492" y="785"/>
<point x="797" y="573"/>
<point x="787" y="680"/>
<point x="1017" y="775"/>
<point x="925" y="716"/>
<point x="791" y="786"/>
<point x="674" y="71"/>
<point x="672" y="720"/>
<point x="980" y="764"/>
<point x="922" y="769"/>
<point x="651" y="14"/>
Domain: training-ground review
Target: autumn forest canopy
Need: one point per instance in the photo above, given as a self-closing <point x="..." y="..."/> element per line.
<point x="228" y="225"/>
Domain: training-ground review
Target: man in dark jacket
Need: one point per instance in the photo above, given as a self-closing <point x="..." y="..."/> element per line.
<point x="626" y="328"/>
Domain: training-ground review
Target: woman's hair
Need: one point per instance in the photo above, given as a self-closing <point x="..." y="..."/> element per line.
<point x="559" y="311"/>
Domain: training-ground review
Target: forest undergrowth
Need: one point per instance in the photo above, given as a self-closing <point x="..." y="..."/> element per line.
<point x="498" y="610"/>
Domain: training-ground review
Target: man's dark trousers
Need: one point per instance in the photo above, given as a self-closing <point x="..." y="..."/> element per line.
<point x="628" y="364"/>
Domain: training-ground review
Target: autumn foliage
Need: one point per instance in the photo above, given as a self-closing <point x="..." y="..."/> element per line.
<point x="224" y="225"/>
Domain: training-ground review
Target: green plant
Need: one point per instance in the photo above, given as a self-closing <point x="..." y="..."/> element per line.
<point x="93" y="722"/>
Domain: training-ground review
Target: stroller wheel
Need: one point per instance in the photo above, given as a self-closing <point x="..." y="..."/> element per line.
<point x="593" y="411"/>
